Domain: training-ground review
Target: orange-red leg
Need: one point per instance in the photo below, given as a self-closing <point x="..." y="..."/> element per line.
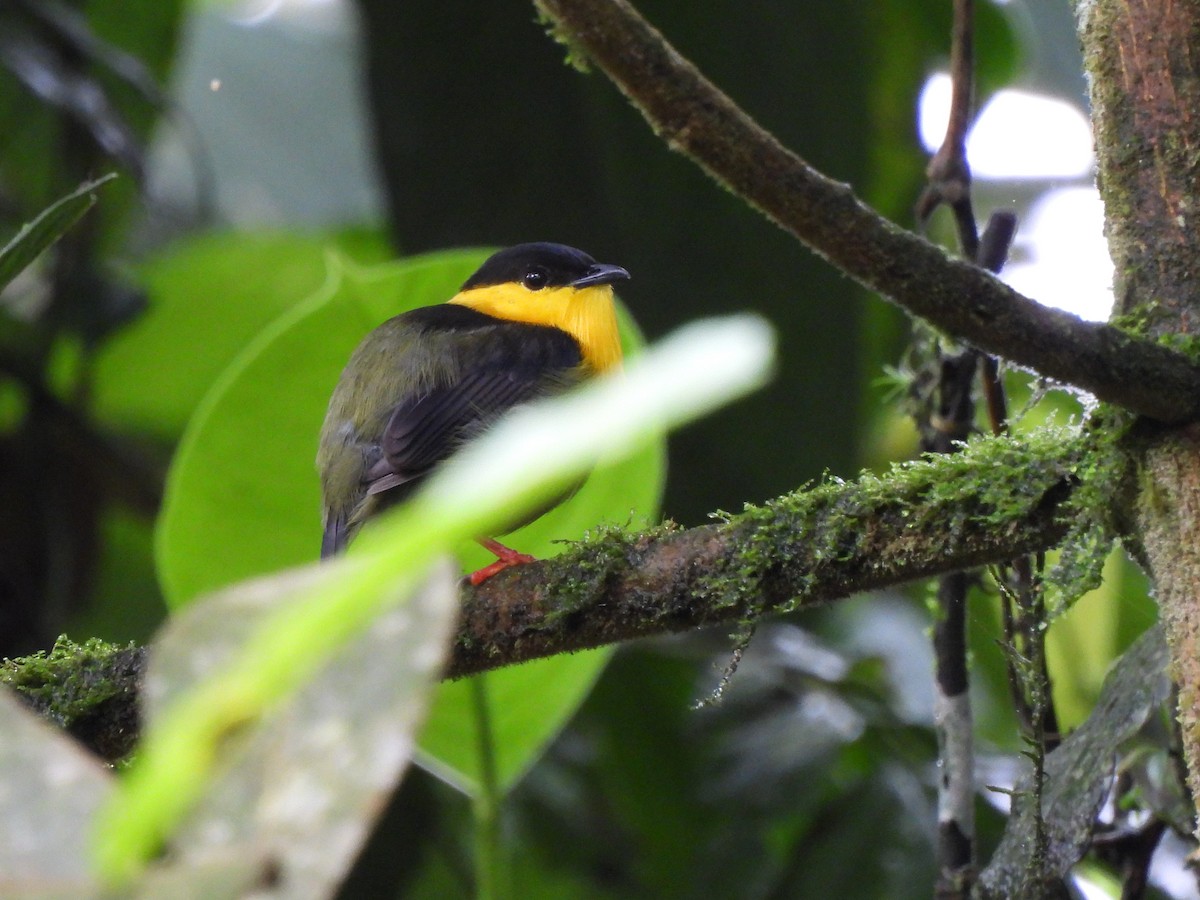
<point x="505" y="557"/>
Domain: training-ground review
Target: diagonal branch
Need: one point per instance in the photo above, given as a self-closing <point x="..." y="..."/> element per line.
<point x="694" y="117"/>
<point x="996" y="500"/>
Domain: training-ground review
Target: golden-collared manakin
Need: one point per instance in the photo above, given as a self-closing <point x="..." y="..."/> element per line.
<point x="532" y="321"/>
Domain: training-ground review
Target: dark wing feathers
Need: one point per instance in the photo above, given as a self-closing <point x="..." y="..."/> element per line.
<point x="334" y="538"/>
<point x="496" y="365"/>
<point x="513" y="365"/>
<point x="423" y="432"/>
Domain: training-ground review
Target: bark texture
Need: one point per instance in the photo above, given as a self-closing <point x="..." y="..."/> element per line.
<point x="1169" y="516"/>
<point x="1142" y="61"/>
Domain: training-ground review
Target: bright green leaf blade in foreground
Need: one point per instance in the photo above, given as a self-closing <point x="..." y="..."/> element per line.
<point x="36" y="236"/>
<point x="306" y="616"/>
<point x="514" y="465"/>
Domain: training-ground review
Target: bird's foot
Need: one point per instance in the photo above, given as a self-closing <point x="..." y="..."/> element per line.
<point x="505" y="558"/>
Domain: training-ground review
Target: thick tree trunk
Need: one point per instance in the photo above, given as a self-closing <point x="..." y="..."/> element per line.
<point x="1143" y="59"/>
<point x="1169" y="520"/>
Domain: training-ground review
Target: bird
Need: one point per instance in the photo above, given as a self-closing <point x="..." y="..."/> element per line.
<point x="532" y="321"/>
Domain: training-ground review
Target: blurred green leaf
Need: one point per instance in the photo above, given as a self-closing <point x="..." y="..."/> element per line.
<point x="528" y="705"/>
<point x="208" y="298"/>
<point x="1101" y="625"/>
<point x="648" y="756"/>
<point x="257" y="644"/>
<point x="337" y="747"/>
<point x="138" y="49"/>
<point x="35" y="237"/>
<point x="891" y="862"/>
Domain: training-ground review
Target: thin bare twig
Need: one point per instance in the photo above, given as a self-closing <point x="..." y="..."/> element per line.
<point x="948" y="174"/>
<point x="949" y="184"/>
<point x="992" y="254"/>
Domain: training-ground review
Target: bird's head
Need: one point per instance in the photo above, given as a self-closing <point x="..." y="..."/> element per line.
<point x="551" y="284"/>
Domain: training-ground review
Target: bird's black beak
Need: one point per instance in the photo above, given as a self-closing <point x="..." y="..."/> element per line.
<point x="601" y="273"/>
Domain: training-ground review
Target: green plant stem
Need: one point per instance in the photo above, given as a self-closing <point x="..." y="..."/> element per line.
<point x="489" y="862"/>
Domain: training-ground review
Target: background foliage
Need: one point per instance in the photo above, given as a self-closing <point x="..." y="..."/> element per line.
<point x="212" y="252"/>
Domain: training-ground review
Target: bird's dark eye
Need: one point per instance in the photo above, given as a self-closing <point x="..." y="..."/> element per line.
<point x="536" y="278"/>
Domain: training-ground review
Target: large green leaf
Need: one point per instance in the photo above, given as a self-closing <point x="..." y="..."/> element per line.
<point x="527" y="705"/>
<point x="208" y="298"/>
<point x="242" y="497"/>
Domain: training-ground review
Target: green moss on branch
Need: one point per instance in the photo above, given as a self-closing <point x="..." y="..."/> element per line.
<point x="88" y="689"/>
<point x="1000" y="498"/>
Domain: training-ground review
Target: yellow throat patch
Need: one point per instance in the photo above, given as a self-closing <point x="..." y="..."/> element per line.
<point x="587" y="314"/>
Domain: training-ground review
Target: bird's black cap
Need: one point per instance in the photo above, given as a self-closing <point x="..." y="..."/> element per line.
<point x="542" y="264"/>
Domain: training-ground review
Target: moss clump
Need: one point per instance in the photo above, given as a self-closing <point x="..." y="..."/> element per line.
<point x="601" y="552"/>
<point x="1102" y="471"/>
<point x="1138" y="321"/>
<point x="576" y="57"/>
<point x="1186" y="344"/>
<point x="882" y="521"/>
<point x="1159" y="322"/>
<point x="76" y="686"/>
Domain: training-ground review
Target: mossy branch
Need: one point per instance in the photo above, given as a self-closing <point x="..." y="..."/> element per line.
<point x="997" y="499"/>
<point x="692" y="116"/>
<point x="88" y="689"/>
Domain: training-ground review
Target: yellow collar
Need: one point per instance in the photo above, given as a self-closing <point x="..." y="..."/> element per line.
<point x="587" y="314"/>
